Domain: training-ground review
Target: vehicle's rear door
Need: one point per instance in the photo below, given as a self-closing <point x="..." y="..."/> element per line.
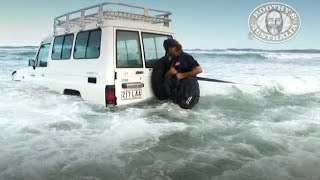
<point x="129" y="67"/>
<point x="153" y="51"/>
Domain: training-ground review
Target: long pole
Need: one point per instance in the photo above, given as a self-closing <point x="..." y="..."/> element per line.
<point x="222" y="81"/>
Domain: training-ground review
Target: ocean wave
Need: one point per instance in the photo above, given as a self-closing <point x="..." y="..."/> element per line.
<point x="231" y="55"/>
<point x="258" y="54"/>
<point x="292" y="56"/>
<point x="314" y="51"/>
<point x="26" y="53"/>
<point x="286" y="85"/>
<point x="19" y="54"/>
<point x="17" y="48"/>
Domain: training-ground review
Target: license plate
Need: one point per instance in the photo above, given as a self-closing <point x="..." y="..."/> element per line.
<point x="131" y="94"/>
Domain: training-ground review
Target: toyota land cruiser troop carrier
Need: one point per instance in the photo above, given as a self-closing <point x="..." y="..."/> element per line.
<point x="101" y="54"/>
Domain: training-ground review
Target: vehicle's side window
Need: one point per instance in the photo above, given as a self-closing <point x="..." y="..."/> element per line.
<point x="42" y="57"/>
<point x="153" y="47"/>
<point x="62" y="47"/>
<point x="93" y="48"/>
<point x="67" y="47"/>
<point x="81" y="45"/>
<point x="88" y="45"/>
<point x="57" y="48"/>
<point x="128" y="49"/>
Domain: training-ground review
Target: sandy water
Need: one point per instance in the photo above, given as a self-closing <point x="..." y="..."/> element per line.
<point x="235" y="132"/>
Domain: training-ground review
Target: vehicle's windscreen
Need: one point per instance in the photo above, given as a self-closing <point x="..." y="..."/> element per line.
<point x="43" y="54"/>
<point x="153" y="47"/>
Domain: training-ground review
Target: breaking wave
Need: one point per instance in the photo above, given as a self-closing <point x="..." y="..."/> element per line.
<point x="286" y="86"/>
<point x="17" y="53"/>
<point x="258" y="54"/>
<point x="18" y="48"/>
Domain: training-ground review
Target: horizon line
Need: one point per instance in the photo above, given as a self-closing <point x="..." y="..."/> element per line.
<point x="201" y="49"/>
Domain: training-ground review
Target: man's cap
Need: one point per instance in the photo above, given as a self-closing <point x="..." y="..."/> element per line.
<point x="168" y="43"/>
<point x="174" y="43"/>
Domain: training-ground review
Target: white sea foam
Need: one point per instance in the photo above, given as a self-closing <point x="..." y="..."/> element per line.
<point x="236" y="131"/>
<point x="295" y="56"/>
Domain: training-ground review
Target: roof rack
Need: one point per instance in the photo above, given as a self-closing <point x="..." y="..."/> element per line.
<point x="82" y="17"/>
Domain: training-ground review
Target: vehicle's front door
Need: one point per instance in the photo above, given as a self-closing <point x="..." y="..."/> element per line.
<point x="41" y="61"/>
<point x="130" y="75"/>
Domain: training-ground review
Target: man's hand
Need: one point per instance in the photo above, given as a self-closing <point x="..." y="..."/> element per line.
<point x="192" y="73"/>
<point x="171" y="72"/>
<point x="180" y="76"/>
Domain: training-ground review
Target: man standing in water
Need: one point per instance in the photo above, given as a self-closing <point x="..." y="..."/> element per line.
<point x="181" y="83"/>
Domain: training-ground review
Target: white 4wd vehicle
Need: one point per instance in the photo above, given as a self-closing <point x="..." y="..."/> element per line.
<point x="105" y="57"/>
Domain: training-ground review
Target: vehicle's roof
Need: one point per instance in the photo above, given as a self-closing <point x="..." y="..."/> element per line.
<point x="114" y="15"/>
<point x="124" y="24"/>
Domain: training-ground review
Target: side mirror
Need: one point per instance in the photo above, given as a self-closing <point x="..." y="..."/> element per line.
<point x="32" y="63"/>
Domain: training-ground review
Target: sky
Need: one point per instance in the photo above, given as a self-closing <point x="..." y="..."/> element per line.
<point x="203" y="24"/>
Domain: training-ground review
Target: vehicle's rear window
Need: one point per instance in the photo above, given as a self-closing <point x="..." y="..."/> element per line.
<point x="87" y="45"/>
<point x="62" y="47"/>
<point x="128" y="49"/>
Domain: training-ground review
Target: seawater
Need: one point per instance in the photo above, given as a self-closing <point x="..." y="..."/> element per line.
<point x="235" y="132"/>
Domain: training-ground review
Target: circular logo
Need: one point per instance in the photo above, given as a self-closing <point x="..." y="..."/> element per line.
<point x="274" y="22"/>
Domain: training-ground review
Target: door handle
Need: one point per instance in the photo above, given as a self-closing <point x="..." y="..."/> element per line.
<point x="139" y="72"/>
<point x="134" y="85"/>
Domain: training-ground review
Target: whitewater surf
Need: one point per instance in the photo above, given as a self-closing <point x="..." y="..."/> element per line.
<point x="235" y="132"/>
